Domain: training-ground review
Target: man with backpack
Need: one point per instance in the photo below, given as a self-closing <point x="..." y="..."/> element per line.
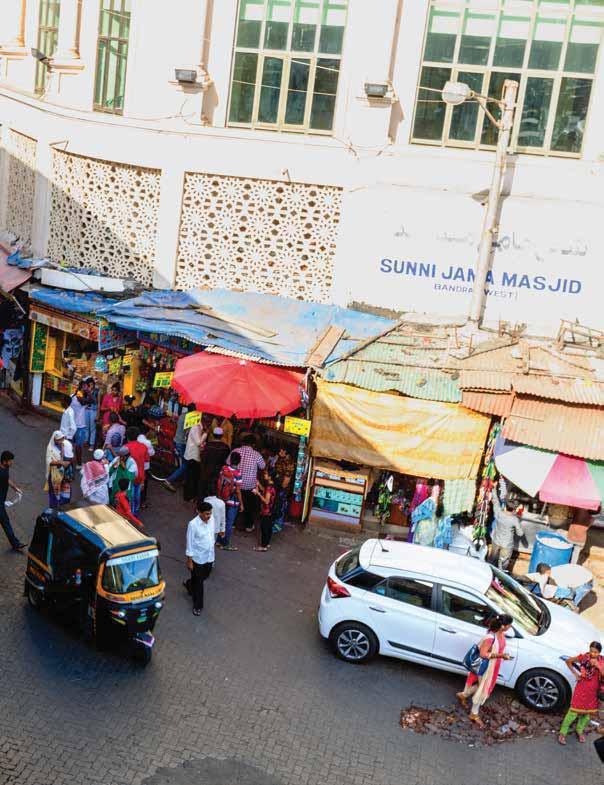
<point x="228" y="489"/>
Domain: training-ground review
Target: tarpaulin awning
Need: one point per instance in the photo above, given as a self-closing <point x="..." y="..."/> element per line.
<point x="407" y="435"/>
<point x="276" y="329"/>
<point x="11" y="277"/>
<point x="555" y="478"/>
<point x="71" y="302"/>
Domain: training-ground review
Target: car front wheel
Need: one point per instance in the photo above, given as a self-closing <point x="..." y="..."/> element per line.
<point x="543" y="690"/>
<point x="354" y="642"/>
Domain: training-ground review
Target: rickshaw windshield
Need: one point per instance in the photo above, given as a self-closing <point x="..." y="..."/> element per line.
<point x="132" y="573"/>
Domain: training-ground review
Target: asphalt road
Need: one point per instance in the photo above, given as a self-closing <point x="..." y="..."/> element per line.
<point x="248" y="694"/>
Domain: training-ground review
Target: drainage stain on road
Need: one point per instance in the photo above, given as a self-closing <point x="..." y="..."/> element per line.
<point x="212" y="771"/>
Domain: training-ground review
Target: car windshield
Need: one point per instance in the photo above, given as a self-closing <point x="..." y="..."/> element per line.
<point x="132" y="573"/>
<point x="511" y="598"/>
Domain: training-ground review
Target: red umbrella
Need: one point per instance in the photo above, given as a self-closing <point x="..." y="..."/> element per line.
<point x="227" y="385"/>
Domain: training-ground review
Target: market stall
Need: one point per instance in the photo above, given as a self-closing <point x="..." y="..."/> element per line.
<point x="68" y="342"/>
<point x="417" y="443"/>
<point x="551" y="491"/>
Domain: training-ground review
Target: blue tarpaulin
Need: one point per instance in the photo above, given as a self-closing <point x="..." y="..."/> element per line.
<point x="271" y="328"/>
<point x="71" y="302"/>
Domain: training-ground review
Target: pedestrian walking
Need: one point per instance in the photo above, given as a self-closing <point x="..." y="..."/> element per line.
<point x="201" y="536"/>
<point x="145" y="439"/>
<point x="116" y="426"/>
<point x="111" y="402"/>
<point x="139" y="452"/>
<point x="229" y="490"/>
<point x="59" y="470"/>
<point x="95" y="479"/>
<point x="506" y="525"/>
<point x="180" y="443"/>
<point x="250" y="464"/>
<point x="480" y="685"/>
<point x="212" y="460"/>
<point x="122" y="504"/>
<point x="91" y="406"/>
<point x="283" y="471"/>
<point x="68" y="423"/>
<point x="219" y="515"/>
<point x="123" y="467"/>
<point x="265" y="492"/>
<point x="78" y="404"/>
<point x="588" y="670"/>
<point x="6" y="460"/>
<point x="195" y="443"/>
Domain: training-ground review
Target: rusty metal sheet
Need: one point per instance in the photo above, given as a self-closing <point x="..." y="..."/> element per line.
<point x="496" y="403"/>
<point x="581" y="391"/>
<point x="560" y="427"/>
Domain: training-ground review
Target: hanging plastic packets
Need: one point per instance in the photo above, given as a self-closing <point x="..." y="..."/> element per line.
<point x="100" y="364"/>
<point x="300" y="469"/>
<point x="489" y="472"/>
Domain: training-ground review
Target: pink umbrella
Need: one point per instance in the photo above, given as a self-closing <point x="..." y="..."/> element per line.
<point x="556" y="478"/>
<point x="570" y="482"/>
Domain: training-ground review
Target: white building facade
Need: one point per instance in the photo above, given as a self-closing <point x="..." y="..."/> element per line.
<point x="264" y="165"/>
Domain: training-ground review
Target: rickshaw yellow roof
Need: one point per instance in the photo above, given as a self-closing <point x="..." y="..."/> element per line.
<point x="108" y="524"/>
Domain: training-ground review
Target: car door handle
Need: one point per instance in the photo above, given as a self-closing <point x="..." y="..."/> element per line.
<point x="449" y="630"/>
<point x="377" y="610"/>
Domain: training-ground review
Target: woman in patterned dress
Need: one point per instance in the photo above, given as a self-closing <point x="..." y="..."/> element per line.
<point x="588" y="669"/>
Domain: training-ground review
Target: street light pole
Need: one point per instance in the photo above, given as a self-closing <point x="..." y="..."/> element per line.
<point x="489" y="226"/>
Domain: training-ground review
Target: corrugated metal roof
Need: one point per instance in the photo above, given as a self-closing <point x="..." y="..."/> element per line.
<point x="574" y="430"/>
<point x="381" y="377"/>
<point x="496" y="403"/>
<point x="485" y="380"/>
<point x="572" y="391"/>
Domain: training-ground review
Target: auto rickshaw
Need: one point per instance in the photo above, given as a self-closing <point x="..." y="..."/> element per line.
<point x="97" y="567"/>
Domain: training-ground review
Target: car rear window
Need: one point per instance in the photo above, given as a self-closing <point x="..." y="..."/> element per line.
<point x="348" y="562"/>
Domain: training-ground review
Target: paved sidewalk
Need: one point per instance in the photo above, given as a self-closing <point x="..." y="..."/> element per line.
<point x="247" y="694"/>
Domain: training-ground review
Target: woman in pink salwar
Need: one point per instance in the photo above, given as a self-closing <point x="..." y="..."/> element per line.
<point x="492" y="652"/>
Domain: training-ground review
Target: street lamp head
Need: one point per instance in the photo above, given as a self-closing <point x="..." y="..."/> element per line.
<point x="455" y="93"/>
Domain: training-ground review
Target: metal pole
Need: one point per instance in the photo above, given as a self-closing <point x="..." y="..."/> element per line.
<point x="489" y="227"/>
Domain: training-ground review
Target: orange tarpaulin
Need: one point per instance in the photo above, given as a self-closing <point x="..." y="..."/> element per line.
<point x="407" y="435"/>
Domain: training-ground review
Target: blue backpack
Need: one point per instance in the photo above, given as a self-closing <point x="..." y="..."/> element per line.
<point x="473" y="662"/>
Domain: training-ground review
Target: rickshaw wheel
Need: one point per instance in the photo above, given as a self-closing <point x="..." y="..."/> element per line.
<point x="34" y="597"/>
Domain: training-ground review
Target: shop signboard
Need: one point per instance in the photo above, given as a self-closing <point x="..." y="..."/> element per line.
<point x="192" y="418"/>
<point x="163" y="380"/>
<point x="297" y="426"/>
<point x="39" y="341"/>
<point x="421" y="252"/>
<point x="64" y="323"/>
<point x="111" y="337"/>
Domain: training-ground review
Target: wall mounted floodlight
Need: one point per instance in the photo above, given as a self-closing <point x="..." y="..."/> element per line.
<point x="376" y="89"/>
<point x="187" y="75"/>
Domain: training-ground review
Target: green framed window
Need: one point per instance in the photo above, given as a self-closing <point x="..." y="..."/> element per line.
<point x="48" y="35"/>
<point x="112" y="56"/>
<point x="550" y="47"/>
<point x="286" y="64"/>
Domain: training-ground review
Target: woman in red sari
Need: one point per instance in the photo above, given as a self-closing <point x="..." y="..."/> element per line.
<point x="492" y="652"/>
<point x="588" y="669"/>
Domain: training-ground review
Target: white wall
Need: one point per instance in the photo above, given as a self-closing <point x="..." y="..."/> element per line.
<point x="555" y="203"/>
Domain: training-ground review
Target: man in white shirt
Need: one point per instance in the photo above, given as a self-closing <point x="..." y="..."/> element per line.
<point x="218" y="513"/>
<point x="195" y="443"/>
<point x="201" y="535"/>
<point x="79" y="413"/>
<point x="68" y="424"/>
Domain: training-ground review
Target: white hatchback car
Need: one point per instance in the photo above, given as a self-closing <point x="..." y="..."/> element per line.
<point x="430" y="606"/>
